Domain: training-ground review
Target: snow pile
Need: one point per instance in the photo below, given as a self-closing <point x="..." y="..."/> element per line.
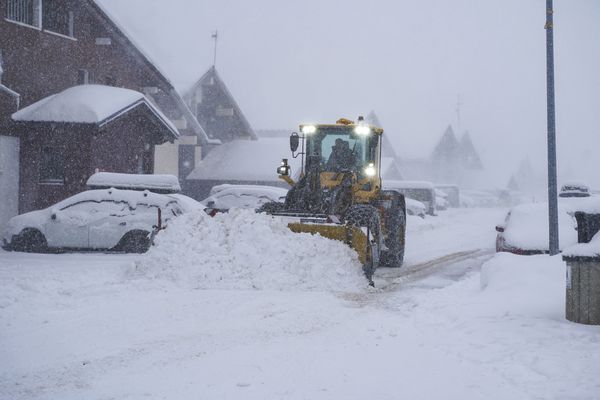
<point x="525" y="285"/>
<point x="245" y="250"/>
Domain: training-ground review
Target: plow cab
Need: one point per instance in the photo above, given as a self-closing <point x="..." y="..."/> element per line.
<point x="338" y="192"/>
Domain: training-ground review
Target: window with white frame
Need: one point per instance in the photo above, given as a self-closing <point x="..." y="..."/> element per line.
<point x="24" y="11"/>
<point x="51" y="15"/>
<point x="56" y="17"/>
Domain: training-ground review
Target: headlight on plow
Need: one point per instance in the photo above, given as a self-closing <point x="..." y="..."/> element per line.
<point x="370" y="170"/>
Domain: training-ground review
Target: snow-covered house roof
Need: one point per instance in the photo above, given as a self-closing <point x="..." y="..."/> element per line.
<point x="89" y="104"/>
<point x="246" y="160"/>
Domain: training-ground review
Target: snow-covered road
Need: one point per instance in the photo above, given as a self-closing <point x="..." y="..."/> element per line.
<point x="82" y="326"/>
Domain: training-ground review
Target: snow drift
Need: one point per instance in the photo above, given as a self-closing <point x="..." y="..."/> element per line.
<point x="525" y="285"/>
<point x="245" y="250"/>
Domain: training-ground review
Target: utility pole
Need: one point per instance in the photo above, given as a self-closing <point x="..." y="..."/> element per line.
<point x="216" y="37"/>
<point x="552" y="181"/>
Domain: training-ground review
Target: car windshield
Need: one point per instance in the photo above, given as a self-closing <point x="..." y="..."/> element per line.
<point x="341" y="149"/>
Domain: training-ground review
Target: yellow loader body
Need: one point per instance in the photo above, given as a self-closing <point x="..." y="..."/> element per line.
<point x="351" y="235"/>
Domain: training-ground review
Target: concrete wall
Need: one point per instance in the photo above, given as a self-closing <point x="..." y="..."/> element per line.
<point x="166" y="156"/>
<point x="9" y="178"/>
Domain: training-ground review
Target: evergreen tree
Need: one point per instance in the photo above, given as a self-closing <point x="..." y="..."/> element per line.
<point x="512" y="183"/>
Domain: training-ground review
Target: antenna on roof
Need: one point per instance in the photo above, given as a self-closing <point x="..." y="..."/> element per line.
<point x="458" y="104"/>
<point x="216" y="37"/>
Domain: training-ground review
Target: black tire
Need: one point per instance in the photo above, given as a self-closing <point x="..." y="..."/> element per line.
<point x="367" y="216"/>
<point x="137" y="241"/>
<point x="395" y="226"/>
<point x="29" y="241"/>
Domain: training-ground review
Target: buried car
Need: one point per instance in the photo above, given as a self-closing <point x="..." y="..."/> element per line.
<point x="421" y="191"/>
<point x="415" y="207"/>
<point x="102" y="219"/>
<point x="226" y="196"/>
<point x="525" y="229"/>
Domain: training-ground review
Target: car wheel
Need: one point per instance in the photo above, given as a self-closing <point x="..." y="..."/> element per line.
<point x="137" y="241"/>
<point x="29" y="241"/>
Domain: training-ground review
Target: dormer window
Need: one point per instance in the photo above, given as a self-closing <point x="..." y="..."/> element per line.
<point x="26" y="12"/>
<point x="57" y="18"/>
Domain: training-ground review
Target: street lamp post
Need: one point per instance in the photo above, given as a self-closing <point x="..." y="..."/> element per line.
<point x="552" y="184"/>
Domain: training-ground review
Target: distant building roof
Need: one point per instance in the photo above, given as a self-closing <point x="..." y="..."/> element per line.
<point x="216" y="109"/>
<point x="89" y="104"/>
<point x="387" y="149"/>
<point x="250" y="160"/>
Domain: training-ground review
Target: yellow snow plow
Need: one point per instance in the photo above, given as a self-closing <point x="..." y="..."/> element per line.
<point x="338" y="194"/>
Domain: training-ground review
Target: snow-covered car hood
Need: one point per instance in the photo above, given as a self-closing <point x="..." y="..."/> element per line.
<point x="243" y="196"/>
<point x="33" y="219"/>
<point x="415" y="207"/>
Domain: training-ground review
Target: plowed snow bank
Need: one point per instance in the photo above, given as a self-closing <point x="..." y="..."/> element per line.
<point x="245" y="250"/>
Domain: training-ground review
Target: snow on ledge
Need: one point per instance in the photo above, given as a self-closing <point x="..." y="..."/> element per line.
<point x="88" y="104"/>
<point x="164" y="183"/>
<point x="585" y="250"/>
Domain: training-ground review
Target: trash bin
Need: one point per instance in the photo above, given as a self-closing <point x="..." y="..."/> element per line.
<point x="583" y="272"/>
<point x="587" y="226"/>
<point x="583" y="289"/>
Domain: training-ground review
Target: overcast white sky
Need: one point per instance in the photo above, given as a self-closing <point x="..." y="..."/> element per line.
<point x="316" y="60"/>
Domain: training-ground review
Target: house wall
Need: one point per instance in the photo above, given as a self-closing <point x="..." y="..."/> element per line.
<point x="38" y="63"/>
<point x="125" y="145"/>
<point x="133" y="137"/>
<point x="74" y="143"/>
<point x="166" y="156"/>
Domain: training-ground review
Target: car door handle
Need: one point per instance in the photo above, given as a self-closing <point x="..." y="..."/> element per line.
<point x="123" y="223"/>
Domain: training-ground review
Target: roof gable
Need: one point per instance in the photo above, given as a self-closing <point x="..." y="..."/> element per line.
<point x="211" y="98"/>
<point x="137" y="51"/>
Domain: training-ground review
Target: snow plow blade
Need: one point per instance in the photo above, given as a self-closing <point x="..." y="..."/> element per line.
<point x="351" y="235"/>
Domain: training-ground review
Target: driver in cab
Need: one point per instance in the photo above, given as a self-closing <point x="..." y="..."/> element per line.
<point x="341" y="157"/>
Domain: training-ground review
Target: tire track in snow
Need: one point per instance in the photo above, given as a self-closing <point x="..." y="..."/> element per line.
<point x="389" y="279"/>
